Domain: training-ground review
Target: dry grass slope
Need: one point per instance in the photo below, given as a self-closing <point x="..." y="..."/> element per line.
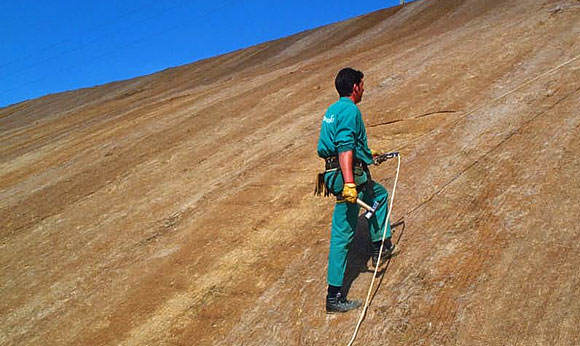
<point x="175" y="208"/>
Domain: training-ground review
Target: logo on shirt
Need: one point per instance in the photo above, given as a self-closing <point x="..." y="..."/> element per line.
<point x="328" y="120"/>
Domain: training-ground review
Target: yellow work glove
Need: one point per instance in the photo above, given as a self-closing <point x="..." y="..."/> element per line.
<point x="376" y="152"/>
<point x="349" y="192"/>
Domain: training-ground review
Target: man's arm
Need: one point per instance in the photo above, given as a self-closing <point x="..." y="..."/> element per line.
<point x="345" y="144"/>
<point x="349" y="190"/>
<point x="345" y="161"/>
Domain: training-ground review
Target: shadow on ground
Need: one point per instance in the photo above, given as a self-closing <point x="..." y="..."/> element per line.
<point x="359" y="253"/>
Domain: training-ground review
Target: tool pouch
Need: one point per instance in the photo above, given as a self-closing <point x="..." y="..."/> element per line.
<point x="320" y="186"/>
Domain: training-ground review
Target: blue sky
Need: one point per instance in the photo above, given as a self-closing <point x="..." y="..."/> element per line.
<point x="52" y="46"/>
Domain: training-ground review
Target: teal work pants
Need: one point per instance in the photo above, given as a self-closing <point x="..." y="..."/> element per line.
<point x="344" y="222"/>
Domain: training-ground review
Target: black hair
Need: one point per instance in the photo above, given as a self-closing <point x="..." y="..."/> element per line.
<point x="346" y="80"/>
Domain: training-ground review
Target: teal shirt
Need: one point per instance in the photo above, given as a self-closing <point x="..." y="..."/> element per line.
<point x="342" y="130"/>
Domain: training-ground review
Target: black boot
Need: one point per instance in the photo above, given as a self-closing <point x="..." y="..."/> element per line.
<point x="339" y="303"/>
<point x="388" y="249"/>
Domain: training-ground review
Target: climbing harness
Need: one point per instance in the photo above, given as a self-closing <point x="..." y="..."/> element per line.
<point x="362" y="315"/>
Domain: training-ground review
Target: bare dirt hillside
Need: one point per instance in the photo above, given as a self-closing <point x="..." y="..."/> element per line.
<point x="177" y="208"/>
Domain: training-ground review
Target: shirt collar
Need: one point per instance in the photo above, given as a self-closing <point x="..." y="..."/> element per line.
<point x="347" y="99"/>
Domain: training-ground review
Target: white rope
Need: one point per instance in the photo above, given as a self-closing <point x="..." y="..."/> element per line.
<point x="362" y="315"/>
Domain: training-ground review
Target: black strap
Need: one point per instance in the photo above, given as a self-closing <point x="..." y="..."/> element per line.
<point x="333" y="163"/>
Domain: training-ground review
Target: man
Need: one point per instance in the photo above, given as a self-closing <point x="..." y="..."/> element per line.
<point x="343" y="145"/>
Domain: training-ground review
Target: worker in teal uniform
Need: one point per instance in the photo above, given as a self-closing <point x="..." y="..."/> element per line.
<point x="343" y="145"/>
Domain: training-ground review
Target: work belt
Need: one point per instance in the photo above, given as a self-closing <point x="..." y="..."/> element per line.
<point x="331" y="164"/>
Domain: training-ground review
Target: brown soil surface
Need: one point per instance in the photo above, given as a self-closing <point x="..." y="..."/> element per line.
<point x="177" y="208"/>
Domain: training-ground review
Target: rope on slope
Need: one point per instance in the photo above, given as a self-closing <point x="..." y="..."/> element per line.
<point x="363" y="313"/>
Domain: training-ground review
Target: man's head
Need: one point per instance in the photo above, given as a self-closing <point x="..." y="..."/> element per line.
<point x="349" y="83"/>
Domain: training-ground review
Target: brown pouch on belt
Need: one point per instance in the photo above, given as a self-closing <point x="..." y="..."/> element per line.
<point x="320" y="186"/>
